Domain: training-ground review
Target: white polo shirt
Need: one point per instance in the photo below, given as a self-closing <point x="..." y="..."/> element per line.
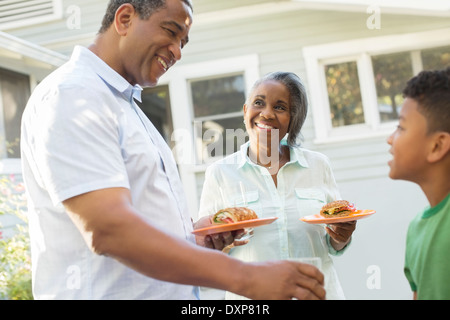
<point x="82" y="131"/>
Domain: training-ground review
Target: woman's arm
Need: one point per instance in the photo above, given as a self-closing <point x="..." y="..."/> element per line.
<point x="340" y="234"/>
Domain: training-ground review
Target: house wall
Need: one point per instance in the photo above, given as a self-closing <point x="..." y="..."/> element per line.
<point x="359" y="165"/>
<point x="81" y="21"/>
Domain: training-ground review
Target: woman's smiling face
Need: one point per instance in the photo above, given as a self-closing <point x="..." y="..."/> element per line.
<point x="267" y="113"/>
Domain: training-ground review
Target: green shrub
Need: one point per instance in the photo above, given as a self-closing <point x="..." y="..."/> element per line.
<point x="15" y="260"/>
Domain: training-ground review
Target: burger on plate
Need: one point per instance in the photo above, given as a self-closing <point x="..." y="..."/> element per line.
<point x="338" y="208"/>
<point x="234" y="214"/>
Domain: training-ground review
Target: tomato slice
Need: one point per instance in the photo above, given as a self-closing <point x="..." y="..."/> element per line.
<point x="350" y="207"/>
<point x="227" y="220"/>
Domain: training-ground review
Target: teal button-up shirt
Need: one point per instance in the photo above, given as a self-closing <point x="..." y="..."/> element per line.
<point x="304" y="185"/>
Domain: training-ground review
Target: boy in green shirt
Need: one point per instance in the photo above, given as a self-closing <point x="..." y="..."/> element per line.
<point x="421" y="153"/>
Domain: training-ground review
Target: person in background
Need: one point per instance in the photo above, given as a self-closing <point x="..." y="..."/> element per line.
<point x="281" y="180"/>
<point x="420" y="147"/>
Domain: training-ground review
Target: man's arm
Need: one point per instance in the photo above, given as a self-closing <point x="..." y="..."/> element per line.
<point x="111" y="226"/>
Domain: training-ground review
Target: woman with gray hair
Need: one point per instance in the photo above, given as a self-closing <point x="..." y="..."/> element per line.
<point x="275" y="177"/>
<point x="297" y="95"/>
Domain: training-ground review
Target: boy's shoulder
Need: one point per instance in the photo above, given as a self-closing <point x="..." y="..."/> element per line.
<point x="431" y="218"/>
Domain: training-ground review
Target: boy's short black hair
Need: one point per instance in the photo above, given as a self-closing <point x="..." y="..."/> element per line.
<point x="431" y="90"/>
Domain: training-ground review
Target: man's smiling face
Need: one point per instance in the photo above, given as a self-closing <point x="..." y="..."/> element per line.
<point x="150" y="47"/>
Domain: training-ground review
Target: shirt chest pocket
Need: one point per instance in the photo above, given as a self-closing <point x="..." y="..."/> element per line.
<point x="309" y="201"/>
<point x="251" y="201"/>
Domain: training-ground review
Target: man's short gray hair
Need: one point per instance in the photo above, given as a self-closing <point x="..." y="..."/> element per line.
<point x="145" y="8"/>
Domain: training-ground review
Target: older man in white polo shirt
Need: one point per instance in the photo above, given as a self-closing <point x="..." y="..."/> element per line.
<point x="107" y="214"/>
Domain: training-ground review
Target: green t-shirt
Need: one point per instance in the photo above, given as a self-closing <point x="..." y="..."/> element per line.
<point x="427" y="260"/>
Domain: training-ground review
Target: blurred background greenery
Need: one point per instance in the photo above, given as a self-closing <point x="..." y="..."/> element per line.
<point x="15" y="257"/>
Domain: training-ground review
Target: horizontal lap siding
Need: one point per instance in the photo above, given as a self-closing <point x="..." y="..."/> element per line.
<point x="202" y="6"/>
<point x="279" y="39"/>
<point x="55" y="33"/>
<point x="365" y="159"/>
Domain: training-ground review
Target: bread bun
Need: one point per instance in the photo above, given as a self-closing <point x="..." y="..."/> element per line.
<point x="338" y="208"/>
<point x="234" y="214"/>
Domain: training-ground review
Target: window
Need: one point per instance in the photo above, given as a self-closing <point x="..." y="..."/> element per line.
<point x="207" y="100"/>
<point x="357" y="93"/>
<point x="391" y="72"/>
<point x="14" y="93"/>
<point x="435" y="58"/>
<point x="18" y="13"/>
<point x="344" y="94"/>
<point x="217" y="106"/>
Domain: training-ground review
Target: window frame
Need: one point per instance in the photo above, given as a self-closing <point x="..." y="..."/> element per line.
<point x="197" y="122"/>
<point x="10" y="165"/>
<point x="178" y="79"/>
<point x="18" y="55"/>
<point x="361" y="51"/>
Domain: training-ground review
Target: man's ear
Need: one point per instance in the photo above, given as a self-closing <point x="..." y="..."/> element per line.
<point x="123" y="17"/>
<point x="440" y="146"/>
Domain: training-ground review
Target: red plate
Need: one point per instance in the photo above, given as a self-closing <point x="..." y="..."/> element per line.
<point x="233" y="226"/>
<point x="317" y="218"/>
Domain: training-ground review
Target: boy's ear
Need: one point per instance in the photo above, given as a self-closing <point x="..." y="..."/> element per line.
<point x="440" y="146"/>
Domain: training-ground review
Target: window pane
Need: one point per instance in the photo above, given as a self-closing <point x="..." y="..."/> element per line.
<point x="15" y="91"/>
<point x="391" y="72"/>
<point x="220" y="137"/>
<point x="344" y="94"/>
<point x="156" y="106"/>
<point x="218" y="96"/>
<point x="436" y="58"/>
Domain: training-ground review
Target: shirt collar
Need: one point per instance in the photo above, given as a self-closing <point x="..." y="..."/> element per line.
<point x="243" y="159"/>
<point x="108" y="74"/>
<point x="296" y="155"/>
<point x="431" y="211"/>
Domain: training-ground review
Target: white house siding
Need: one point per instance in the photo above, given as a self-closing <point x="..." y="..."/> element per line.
<point x="62" y="34"/>
<point x="359" y="164"/>
<point x="203" y="6"/>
